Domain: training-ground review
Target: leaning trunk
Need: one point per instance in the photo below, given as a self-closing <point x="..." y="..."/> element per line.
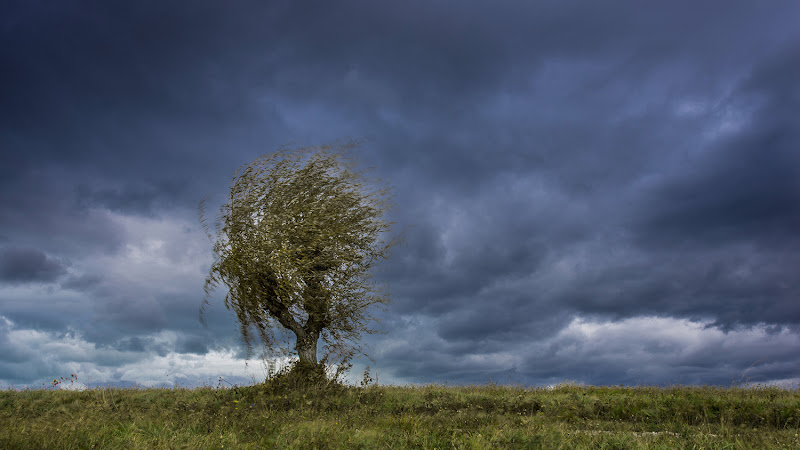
<point x="307" y="369"/>
<point x="315" y="304"/>
<point x="307" y="348"/>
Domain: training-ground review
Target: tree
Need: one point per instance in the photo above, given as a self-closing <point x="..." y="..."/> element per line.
<point x="296" y="245"/>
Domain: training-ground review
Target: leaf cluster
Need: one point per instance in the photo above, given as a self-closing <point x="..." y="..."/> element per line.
<point x="298" y="238"/>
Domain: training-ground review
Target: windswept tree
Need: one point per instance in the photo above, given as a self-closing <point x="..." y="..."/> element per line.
<point x="296" y="245"/>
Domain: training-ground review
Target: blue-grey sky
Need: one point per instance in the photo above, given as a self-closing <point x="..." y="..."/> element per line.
<point x="603" y="192"/>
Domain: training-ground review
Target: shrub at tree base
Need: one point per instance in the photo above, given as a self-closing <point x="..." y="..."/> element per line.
<point x="301" y="375"/>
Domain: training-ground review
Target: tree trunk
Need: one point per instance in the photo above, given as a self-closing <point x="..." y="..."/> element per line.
<point x="307" y="347"/>
<point x="316" y="305"/>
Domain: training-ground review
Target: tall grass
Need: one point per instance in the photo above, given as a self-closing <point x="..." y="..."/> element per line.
<point x="330" y="415"/>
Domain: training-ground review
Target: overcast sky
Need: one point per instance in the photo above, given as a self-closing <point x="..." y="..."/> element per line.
<point x="602" y="192"/>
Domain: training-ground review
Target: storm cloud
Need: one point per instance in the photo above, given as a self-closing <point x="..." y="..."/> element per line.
<point x="604" y="192"/>
<point x="28" y="265"/>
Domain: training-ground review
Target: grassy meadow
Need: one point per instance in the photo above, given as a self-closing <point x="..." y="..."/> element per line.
<point x="270" y="415"/>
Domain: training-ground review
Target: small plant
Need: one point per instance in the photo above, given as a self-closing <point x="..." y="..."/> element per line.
<point x="72" y="379"/>
<point x="368" y="379"/>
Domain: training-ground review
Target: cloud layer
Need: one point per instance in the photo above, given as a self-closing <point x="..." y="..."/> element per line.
<point x="607" y="193"/>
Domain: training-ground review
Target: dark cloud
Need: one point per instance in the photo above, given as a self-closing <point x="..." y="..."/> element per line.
<point x="730" y="287"/>
<point x="39" y="203"/>
<point x="129" y="313"/>
<point x="721" y="223"/>
<point x="194" y="344"/>
<point x="81" y="282"/>
<point x="744" y="186"/>
<point x="142" y="199"/>
<point x="134" y="344"/>
<point x="580" y="183"/>
<point x="28" y="265"/>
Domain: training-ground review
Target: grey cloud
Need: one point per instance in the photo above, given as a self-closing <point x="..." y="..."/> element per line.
<point x="744" y="185"/>
<point x="82" y="282"/>
<point x="662" y="353"/>
<point x="132" y="344"/>
<point x="39" y="202"/>
<point x="11" y="354"/>
<point x="745" y="190"/>
<point x="195" y="344"/>
<point x="28" y="265"/>
<point x="492" y="320"/>
<point x="613" y="358"/>
<point x="730" y="286"/>
<point x="130" y="313"/>
<point x="553" y="160"/>
<point x="139" y="199"/>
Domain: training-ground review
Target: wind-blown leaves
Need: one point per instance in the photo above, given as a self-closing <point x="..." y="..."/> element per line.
<point x="297" y="241"/>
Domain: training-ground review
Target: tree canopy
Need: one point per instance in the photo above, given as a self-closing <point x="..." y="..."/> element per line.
<point x="296" y="244"/>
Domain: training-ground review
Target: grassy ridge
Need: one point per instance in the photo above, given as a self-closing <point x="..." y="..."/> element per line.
<point x="402" y="417"/>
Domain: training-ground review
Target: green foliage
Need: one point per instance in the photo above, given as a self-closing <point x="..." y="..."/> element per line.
<point x="300" y="376"/>
<point x="299" y="237"/>
<point x="335" y="416"/>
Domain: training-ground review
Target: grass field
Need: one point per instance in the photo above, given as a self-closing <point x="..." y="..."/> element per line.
<point x="434" y="416"/>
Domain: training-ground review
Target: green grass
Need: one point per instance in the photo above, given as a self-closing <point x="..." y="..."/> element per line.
<point x="434" y="416"/>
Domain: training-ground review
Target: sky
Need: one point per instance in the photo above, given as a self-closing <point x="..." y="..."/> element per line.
<point x="593" y="192"/>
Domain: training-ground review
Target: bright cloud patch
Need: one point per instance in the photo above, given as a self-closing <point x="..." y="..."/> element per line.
<point x="650" y="348"/>
<point x="48" y="356"/>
